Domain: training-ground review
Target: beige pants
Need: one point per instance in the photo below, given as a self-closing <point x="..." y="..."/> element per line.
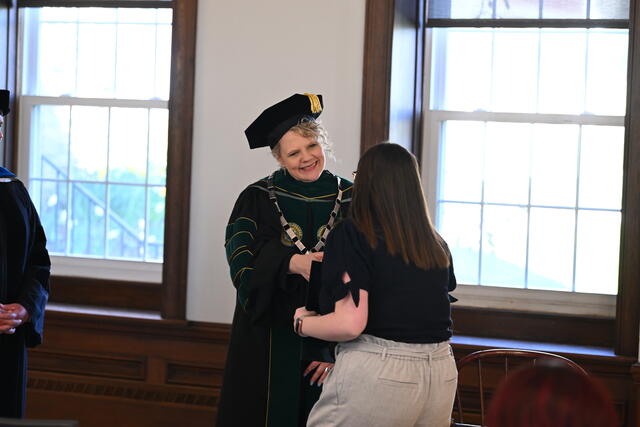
<point x="378" y="382"/>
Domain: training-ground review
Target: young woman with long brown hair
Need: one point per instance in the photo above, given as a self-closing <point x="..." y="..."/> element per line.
<point x="386" y="278"/>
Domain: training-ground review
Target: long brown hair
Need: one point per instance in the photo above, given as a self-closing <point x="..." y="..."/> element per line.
<point x="388" y="193"/>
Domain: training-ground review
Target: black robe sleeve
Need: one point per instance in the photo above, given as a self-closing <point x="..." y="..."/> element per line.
<point x="35" y="284"/>
<point x="26" y="257"/>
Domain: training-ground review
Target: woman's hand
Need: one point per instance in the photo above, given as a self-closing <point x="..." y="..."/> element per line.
<point x="320" y="372"/>
<point x="303" y="312"/>
<point x="301" y="264"/>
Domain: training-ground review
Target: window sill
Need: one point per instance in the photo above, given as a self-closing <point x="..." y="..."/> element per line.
<point x="469" y="341"/>
<point x="103" y="311"/>
<point x="117" y="295"/>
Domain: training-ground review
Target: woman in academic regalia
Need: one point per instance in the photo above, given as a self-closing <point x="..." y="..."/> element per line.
<point x="24" y="284"/>
<point x="277" y="230"/>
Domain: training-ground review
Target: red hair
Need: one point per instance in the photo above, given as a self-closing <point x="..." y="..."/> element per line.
<point x="551" y="396"/>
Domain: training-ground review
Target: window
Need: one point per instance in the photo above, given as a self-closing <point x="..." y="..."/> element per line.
<point x="528" y="125"/>
<point x="94" y="122"/>
<point x="524" y="149"/>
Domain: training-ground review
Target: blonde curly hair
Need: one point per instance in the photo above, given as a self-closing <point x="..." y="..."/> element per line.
<point x="309" y="128"/>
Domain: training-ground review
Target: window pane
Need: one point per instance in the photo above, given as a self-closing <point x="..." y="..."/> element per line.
<point x="89" y="133"/>
<point x="156" y="215"/>
<point x="515" y="65"/>
<point x="518" y="9"/>
<point x="554" y="165"/>
<point x="598" y="247"/>
<point x="96" y="14"/>
<point x="135" y="61"/>
<point x="49" y="141"/>
<point x="529" y="9"/>
<point x="564" y="9"/>
<point x="601" y="167"/>
<point x="607" y="72"/>
<point x="158" y="138"/>
<point x="465" y="69"/>
<point x="609" y="9"/>
<point x="165" y="15"/>
<point x="468" y="9"/>
<point x="461" y="159"/>
<point x="163" y="62"/>
<point x="56" y="60"/>
<point x="459" y="225"/>
<point x="506" y="171"/>
<point x="57" y="14"/>
<point x="504" y="241"/>
<point x="50" y="199"/>
<point x="125" y="238"/>
<point x="562" y="71"/>
<point x="87" y="219"/>
<point x="128" y="145"/>
<point x="96" y="60"/>
<point x="551" y="249"/>
<point x="137" y="15"/>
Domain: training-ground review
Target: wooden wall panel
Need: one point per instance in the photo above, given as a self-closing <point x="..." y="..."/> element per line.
<point x="110" y="366"/>
<point x="116" y="371"/>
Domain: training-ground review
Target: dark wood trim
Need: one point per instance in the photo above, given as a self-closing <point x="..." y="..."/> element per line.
<point x="529" y="23"/>
<point x="417" y="140"/>
<point x="635" y="403"/>
<point x="376" y="77"/>
<point x="215" y="333"/>
<point x="96" y="3"/>
<point x="384" y="19"/>
<point x="176" y="243"/>
<point x="106" y="293"/>
<point x="627" y="313"/>
<point x="106" y="370"/>
<point x="552" y="328"/>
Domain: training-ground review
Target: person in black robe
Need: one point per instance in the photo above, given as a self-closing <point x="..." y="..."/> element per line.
<point x="24" y="285"/>
<point x="276" y="229"/>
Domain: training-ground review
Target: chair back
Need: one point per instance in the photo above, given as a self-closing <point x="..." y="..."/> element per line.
<point x="491" y="367"/>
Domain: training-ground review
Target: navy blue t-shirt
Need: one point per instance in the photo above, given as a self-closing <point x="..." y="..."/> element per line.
<point x="406" y="303"/>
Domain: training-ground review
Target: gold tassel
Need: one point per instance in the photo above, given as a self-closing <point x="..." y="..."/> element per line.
<point x="316" y="107"/>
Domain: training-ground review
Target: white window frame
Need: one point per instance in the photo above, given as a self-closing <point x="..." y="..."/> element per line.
<point x="498" y="297"/>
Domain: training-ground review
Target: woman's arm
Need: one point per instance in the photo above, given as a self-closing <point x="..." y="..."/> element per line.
<point x="346" y="322"/>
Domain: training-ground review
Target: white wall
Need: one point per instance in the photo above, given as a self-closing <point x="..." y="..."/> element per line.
<point x="251" y="54"/>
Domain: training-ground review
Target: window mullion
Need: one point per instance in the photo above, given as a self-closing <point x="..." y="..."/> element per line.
<point x="482" y="202"/>
<point x="526" y="252"/>
<point x="575" y="223"/>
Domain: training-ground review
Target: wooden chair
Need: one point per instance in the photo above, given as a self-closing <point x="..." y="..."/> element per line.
<point x="492" y="366"/>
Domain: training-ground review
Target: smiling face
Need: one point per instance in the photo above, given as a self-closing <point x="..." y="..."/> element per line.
<point x="302" y="157"/>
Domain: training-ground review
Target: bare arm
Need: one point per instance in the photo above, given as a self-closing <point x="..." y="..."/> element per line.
<point x="346" y="322"/>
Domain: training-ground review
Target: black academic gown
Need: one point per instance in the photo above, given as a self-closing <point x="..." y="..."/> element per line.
<point x="24" y="279"/>
<point x="263" y="383"/>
